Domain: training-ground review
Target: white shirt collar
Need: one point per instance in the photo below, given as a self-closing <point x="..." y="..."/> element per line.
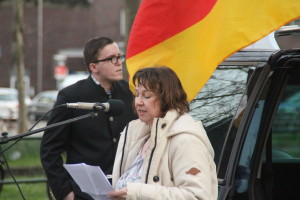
<point x="98" y="83"/>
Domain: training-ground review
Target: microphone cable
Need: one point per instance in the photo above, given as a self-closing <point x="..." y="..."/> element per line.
<point x="3" y="155"/>
<point x="11" y="174"/>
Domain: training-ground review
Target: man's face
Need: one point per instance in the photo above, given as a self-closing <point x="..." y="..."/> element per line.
<point x="106" y="71"/>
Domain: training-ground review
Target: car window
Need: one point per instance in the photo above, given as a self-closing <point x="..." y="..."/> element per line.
<point x="47" y="98"/>
<point x="285" y="162"/>
<point x="218" y="101"/>
<point x="286" y="126"/>
<point x="249" y="144"/>
<point x="9" y="97"/>
<point x="244" y="166"/>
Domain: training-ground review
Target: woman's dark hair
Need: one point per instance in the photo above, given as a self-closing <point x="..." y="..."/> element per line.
<point x="166" y="84"/>
<point x="93" y="48"/>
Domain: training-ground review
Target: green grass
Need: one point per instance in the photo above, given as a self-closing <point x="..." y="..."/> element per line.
<point x="34" y="191"/>
<point x="23" y="153"/>
<point x="22" y="157"/>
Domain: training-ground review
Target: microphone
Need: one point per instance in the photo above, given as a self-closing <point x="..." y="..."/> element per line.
<point x="112" y="106"/>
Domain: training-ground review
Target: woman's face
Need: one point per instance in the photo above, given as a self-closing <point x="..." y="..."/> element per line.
<point x="146" y="104"/>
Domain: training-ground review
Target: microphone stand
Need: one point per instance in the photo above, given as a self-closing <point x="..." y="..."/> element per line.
<point x="6" y="139"/>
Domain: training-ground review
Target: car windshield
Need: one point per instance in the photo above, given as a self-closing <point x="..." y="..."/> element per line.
<point x="218" y="101"/>
<point x="8" y="97"/>
<point x="47" y="97"/>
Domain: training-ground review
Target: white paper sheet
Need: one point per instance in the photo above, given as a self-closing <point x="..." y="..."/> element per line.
<point x="90" y="179"/>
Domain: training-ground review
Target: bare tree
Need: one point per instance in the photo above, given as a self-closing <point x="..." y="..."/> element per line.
<point x="131" y="8"/>
<point x="218" y="99"/>
<point x="18" y="61"/>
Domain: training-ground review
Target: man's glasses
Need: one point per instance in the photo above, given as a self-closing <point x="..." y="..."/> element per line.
<point x="113" y="60"/>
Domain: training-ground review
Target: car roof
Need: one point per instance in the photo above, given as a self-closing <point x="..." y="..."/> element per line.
<point x="72" y="78"/>
<point x="249" y="57"/>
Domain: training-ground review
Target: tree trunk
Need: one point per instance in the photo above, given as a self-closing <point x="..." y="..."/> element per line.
<point x="18" y="62"/>
<point x="131" y="8"/>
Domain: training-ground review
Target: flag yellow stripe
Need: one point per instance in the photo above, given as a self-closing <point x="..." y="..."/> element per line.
<point x="232" y="24"/>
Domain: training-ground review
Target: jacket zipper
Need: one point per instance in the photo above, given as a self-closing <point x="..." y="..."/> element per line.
<point x="123" y="149"/>
<point x="152" y="152"/>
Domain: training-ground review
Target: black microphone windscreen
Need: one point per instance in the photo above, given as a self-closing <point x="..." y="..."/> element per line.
<point x="116" y="106"/>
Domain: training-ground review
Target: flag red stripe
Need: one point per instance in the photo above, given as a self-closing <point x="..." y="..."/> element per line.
<point x="158" y="20"/>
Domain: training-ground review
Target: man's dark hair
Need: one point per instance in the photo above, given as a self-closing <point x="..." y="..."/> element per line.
<point x="93" y="48"/>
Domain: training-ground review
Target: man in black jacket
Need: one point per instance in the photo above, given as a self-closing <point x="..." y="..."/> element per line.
<point x="93" y="140"/>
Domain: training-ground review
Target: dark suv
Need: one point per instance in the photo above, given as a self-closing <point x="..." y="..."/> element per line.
<point x="251" y="111"/>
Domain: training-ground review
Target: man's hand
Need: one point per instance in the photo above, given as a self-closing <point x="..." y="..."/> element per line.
<point x="118" y="195"/>
<point x="70" y="196"/>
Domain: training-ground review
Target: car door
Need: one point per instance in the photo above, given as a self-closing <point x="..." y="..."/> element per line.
<point x="263" y="157"/>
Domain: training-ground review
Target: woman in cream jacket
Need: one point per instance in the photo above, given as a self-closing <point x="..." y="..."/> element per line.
<point x="164" y="154"/>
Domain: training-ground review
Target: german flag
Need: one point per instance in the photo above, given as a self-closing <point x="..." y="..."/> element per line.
<point x="194" y="36"/>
